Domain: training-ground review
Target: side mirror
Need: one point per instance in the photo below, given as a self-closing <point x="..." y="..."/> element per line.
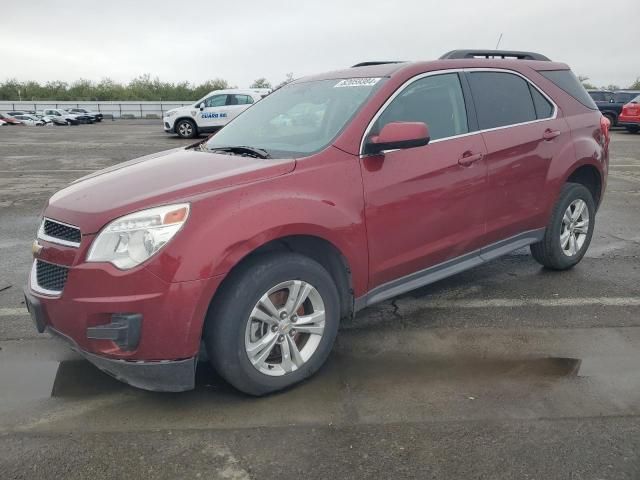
<point x="398" y="135"/>
<point x="202" y="106"/>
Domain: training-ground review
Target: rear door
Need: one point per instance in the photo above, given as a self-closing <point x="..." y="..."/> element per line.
<point x="237" y="103"/>
<point x="523" y="133"/>
<point x="425" y="205"/>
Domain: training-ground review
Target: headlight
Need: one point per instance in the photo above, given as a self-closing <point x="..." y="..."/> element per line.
<point x="170" y="114"/>
<point x="134" y="238"/>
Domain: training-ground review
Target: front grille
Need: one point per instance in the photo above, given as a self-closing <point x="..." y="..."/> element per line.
<point x="61" y="231"/>
<point x="50" y="276"/>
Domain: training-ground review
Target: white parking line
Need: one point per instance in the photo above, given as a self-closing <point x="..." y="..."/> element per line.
<point x="530" y="302"/>
<point x="53" y="171"/>
<point x="12" y="312"/>
<point x="474" y="303"/>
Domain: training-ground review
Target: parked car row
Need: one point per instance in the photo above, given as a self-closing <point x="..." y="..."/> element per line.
<point x="619" y="107"/>
<point x="51" y="116"/>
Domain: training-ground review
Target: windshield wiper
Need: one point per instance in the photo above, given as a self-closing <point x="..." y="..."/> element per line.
<point x="243" y="150"/>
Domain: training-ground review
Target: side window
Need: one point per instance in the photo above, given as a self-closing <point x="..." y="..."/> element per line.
<point x="501" y="99"/>
<point x="597" y="96"/>
<point x="215" y="101"/>
<point x="239" y="100"/>
<point x="435" y="100"/>
<point x="544" y="108"/>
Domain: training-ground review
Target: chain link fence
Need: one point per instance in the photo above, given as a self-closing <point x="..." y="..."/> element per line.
<point x="114" y="110"/>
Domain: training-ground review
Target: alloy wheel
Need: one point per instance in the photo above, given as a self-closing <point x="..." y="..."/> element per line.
<point x="575" y="226"/>
<point x="285" y="328"/>
<point x="185" y="129"/>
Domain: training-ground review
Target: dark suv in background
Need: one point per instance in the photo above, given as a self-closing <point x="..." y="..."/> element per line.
<point x="610" y="103"/>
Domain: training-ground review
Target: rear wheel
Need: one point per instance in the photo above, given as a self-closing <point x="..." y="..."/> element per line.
<point x="611" y="118"/>
<point x="570" y="229"/>
<point x="273" y="323"/>
<point x="186" y="128"/>
<point x="633" y="129"/>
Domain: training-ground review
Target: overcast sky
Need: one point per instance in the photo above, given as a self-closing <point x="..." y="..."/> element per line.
<point x="240" y="41"/>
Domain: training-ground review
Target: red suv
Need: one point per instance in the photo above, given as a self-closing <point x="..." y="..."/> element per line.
<point x="630" y="116"/>
<point x="333" y="193"/>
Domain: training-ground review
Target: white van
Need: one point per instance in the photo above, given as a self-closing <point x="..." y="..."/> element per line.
<point x="211" y="112"/>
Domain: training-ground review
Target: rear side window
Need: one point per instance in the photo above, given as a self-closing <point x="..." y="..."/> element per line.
<point x="435" y="100"/>
<point x="624" y="97"/>
<point x="567" y="81"/>
<point x="544" y="108"/>
<point x="501" y="99"/>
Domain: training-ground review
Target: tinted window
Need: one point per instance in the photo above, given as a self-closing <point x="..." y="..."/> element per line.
<point x="567" y="81"/>
<point x="436" y="100"/>
<point x="501" y="99"/>
<point x="597" y="96"/>
<point x="544" y="108"/>
<point x="215" y="101"/>
<point x="624" y="97"/>
<point x="239" y="100"/>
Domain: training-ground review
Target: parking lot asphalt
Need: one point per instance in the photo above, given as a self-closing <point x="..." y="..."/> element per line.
<point x="505" y="371"/>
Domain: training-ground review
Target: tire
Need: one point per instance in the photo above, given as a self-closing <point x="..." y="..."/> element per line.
<point x="612" y="119"/>
<point x="232" y="329"/>
<point x="186" y="128"/>
<point x="552" y="252"/>
<point x="633" y="129"/>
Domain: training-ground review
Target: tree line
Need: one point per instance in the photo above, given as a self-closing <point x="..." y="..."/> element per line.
<point x="590" y="86"/>
<point x="151" y="89"/>
<point x="142" y="88"/>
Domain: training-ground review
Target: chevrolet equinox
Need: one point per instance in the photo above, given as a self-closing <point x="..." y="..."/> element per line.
<point x="333" y="193"/>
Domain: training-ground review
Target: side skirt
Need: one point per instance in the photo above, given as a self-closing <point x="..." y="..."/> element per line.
<point x="446" y="269"/>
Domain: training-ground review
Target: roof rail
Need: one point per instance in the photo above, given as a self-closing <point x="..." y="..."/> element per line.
<point x="366" y="64"/>
<point x="457" y="54"/>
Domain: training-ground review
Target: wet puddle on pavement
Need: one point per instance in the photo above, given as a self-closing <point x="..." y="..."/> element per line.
<point x="36" y="380"/>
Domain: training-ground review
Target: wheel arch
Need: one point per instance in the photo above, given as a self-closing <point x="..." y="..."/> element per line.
<point x="315" y="247"/>
<point x="589" y="176"/>
<point x="184" y="117"/>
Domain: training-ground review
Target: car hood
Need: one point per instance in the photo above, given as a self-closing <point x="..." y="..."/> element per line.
<point x="157" y="179"/>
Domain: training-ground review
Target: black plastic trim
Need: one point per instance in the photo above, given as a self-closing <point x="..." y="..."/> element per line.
<point x="446" y="269"/>
<point x="124" y="330"/>
<point x="156" y="376"/>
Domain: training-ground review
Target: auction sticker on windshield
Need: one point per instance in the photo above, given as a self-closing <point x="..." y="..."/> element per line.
<point x="357" y="82"/>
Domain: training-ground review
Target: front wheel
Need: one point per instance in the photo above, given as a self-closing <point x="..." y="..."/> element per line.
<point x="273" y="323"/>
<point x="186" y="129"/>
<point x="569" y="231"/>
<point x="633" y="129"/>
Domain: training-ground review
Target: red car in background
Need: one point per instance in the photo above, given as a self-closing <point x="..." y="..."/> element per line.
<point x="9" y="119"/>
<point x="630" y="116"/>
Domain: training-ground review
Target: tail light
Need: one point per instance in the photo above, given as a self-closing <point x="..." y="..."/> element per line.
<point x="605" y="124"/>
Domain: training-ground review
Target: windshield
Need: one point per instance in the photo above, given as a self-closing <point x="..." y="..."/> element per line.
<point x="297" y="119"/>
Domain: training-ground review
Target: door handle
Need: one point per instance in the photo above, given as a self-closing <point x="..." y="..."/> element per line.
<point x="468" y="158"/>
<point x="550" y="134"/>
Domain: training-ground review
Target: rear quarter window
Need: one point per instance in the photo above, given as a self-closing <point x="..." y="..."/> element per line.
<point x="567" y="81"/>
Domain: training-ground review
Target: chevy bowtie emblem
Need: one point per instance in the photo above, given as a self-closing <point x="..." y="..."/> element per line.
<point x="36" y="248"/>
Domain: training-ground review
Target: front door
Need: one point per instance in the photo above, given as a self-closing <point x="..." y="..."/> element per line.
<point x="214" y="113"/>
<point x="425" y="205"/>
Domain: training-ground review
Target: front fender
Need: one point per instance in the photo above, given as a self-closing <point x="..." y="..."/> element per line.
<point x="321" y="199"/>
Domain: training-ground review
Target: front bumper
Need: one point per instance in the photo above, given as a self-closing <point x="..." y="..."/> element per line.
<point x="168" y="126"/>
<point x="158" y="376"/>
